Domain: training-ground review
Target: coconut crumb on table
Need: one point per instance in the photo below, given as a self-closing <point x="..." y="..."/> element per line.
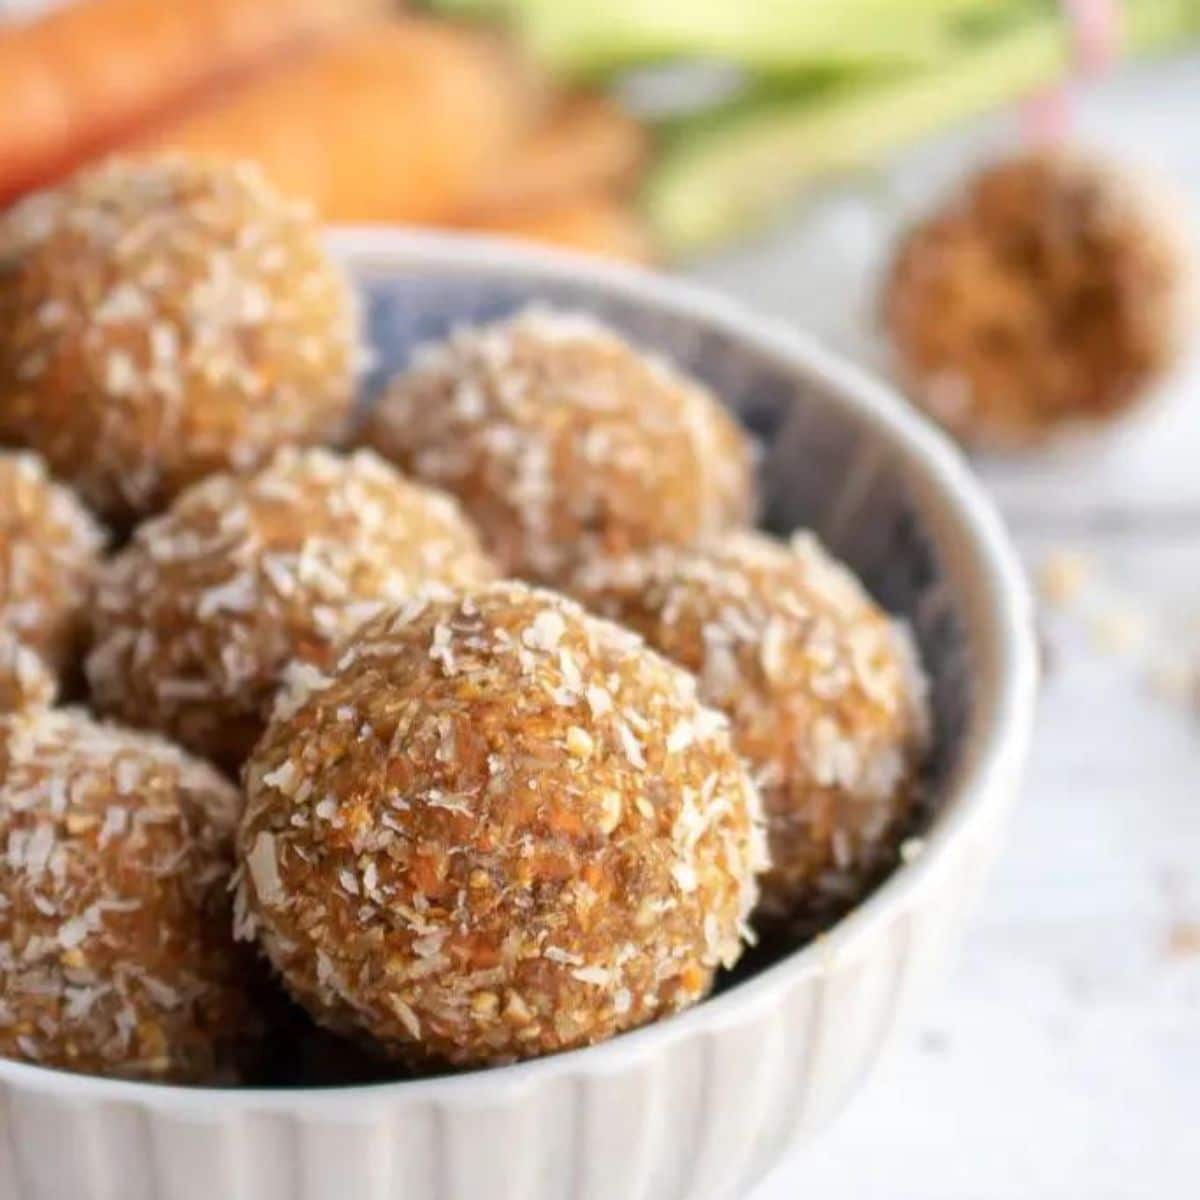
<point x="1183" y="939"/>
<point x="1177" y="680"/>
<point x="1064" y="575"/>
<point x="1119" y="629"/>
<point x="1120" y="625"/>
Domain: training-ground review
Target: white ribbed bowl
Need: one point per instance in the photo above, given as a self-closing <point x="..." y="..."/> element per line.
<point x="701" y="1104"/>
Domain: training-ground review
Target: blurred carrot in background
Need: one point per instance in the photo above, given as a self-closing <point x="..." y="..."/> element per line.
<point x="587" y="224"/>
<point x="585" y="143"/>
<point x="400" y="121"/>
<point x="75" y="81"/>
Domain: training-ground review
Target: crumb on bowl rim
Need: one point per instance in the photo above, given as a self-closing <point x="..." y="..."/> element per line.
<point x="1000" y="613"/>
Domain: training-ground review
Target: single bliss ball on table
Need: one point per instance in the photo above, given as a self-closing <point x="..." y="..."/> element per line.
<point x="500" y="828"/>
<point x="823" y="690"/>
<point x="1050" y="295"/>
<point x="563" y="442"/>
<point x="116" y="948"/>
<point x="49" y="555"/>
<point x="164" y="319"/>
<point x="196" y="619"/>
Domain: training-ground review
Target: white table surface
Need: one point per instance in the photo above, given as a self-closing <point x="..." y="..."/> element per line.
<point x="1061" y="1059"/>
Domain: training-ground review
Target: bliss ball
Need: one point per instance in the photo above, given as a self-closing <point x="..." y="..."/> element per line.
<point x="164" y="319"/>
<point x="25" y="680"/>
<point x="1050" y="295"/>
<point x="499" y="828"/>
<point x="197" y="618"/>
<point x="563" y="442"/>
<point x="49" y="555"/>
<point x="822" y="689"/>
<point x="116" y="950"/>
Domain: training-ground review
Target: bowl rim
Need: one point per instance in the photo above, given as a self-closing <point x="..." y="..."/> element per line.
<point x="1000" y="610"/>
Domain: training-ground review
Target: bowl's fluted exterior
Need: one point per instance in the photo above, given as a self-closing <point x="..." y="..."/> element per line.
<point x="703" y="1104"/>
<point x="701" y="1112"/>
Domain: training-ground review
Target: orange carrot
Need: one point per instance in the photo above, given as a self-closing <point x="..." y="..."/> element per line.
<point x="589" y="224"/>
<point x="78" y="78"/>
<point x="396" y="122"/>
<point x="586" y="143"/>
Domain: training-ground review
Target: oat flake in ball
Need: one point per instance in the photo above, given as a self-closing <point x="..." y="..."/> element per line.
<point x="25" y="680"/>
<point x="564" y="442"/>
<point x="116" y="951"/>
<point x="49" y="555"/>
<point x="164" y="319"/>
<point x="823" y="691"/>
<point x="197" y="618"/>
<point x="500" y="828"/>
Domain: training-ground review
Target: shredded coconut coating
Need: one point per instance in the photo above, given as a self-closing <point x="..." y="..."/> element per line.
<point x="1049" y="295"/>
<point x="501" y="828"/>
<point x="25" y="680"/>
<point x="164" y="319"/>
<point x="116" y="951"/>
<point x="49" y="555"/>
<point x="824" y="693"/>
<point x="196" y="620"/>
<point x="563" y="442"/>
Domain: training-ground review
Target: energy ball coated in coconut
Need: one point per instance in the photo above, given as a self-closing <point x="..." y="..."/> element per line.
<point x="564" y="442"/>
<point x="196" y="620"/>
<point x="164" y="319"/>
<point x="49" y="555"/>
<point x="823" y="691"/>
<point x="500" y="828"/>
<point x="116" y="950"/>
<point x="1050" y="295"/>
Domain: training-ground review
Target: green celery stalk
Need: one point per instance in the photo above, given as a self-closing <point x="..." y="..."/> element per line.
<point x="595" y="38"/>
<point x="1150" y="25"/>
<point x="500" y="10"/>
<point x="718" y="176"/>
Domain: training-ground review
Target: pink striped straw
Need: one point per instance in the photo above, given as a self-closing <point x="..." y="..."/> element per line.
<point x="1096" y="36"/>
<point x="1098" y="33"/>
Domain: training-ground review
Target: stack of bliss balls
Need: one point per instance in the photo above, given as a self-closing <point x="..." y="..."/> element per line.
<point x="488" y="734"/>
